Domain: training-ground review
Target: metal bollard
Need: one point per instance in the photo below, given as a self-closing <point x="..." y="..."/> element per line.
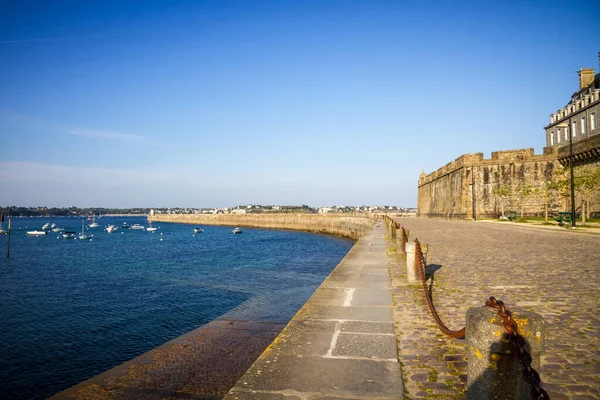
<point x="412" y="271"/>
<point x="494" y="372"/>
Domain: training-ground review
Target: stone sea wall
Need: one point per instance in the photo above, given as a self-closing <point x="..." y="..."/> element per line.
<point x="334" y="224"/>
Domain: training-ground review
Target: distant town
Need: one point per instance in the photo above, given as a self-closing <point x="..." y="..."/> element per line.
<point x="14" y="211"/>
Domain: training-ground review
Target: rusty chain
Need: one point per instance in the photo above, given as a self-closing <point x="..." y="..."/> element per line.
<point x="530" y="375"/>
<point x="445" y="330"/>
<point x="512" y="331"/>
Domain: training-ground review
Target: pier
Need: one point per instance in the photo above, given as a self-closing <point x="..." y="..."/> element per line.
<point x="366" y="333"/>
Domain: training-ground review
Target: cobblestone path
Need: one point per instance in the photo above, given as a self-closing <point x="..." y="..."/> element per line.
<point x="554" y="273"/>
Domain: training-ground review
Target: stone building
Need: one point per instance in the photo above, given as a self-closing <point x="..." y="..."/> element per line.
<point x="518" y="179"/>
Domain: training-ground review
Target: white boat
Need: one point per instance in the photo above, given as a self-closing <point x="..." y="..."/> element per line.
<point x="137" y="227"/>
<point x="198" y="230"/>
<point x="93" y="224"/>
<point x="150" y="228"/>
<point x="35" y="233"/>
<point x="111" y="229"/>
<point x="46" y="226"/>
<point x="57" y="229"/>
<point x="69" y="235"/>
<point x="236" y="231"/>
<point x="83" y="236"/>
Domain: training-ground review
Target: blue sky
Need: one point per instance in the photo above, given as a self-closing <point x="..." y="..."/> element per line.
<point x="218" y="103"/>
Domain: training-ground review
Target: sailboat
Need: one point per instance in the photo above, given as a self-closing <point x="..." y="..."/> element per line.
<point x="150" y="228"/>
<point x="83" y="236"/>
<point x="94" y="224"/>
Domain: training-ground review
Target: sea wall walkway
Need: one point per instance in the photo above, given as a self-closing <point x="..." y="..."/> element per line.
<point x="206" y="362"/>
<point x="341" y="344"/>
<point x="551" y="271"/>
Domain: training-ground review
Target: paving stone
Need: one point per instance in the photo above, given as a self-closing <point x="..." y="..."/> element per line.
<point x="525" y="267"/>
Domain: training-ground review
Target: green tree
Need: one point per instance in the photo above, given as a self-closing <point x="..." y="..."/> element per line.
<point x="502" y="195"/>
<point x="586" y="182"/>
<point x="523" y="193"/>
<point x="547" y="193"/>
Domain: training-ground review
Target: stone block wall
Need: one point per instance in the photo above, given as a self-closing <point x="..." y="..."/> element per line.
<point x="448" y="192"/>
<point x="335" y="224"/>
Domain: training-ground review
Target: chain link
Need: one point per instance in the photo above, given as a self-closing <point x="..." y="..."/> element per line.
<point x="512" y="331"/>
<point x="445" y="330"/>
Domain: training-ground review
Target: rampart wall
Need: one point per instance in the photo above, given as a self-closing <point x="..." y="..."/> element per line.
<point x="448" y="191"/>
<point x="335" y="224"/>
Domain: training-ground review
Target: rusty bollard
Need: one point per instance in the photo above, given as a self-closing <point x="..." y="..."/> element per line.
<point x="403" y="238"/>
<point x="494" y="371"/>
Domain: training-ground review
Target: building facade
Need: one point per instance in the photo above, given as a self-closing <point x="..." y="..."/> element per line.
<point x="580" y="116"/>
<point x="474" y="187"/>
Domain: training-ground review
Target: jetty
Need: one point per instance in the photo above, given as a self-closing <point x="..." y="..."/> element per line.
<point x="367" y="332"/>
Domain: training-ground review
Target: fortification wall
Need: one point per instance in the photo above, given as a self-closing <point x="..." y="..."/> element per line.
<point x="335" y="224"/>
<point x="447" y="192"/>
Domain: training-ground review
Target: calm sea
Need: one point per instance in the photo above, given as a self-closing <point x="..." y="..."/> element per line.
<point x="70" y="309"/>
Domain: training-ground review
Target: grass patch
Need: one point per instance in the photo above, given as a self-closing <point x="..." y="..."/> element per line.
<point x="432" y="376"/>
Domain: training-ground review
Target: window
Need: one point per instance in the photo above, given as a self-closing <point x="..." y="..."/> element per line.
<point x="574" y="128"/>
<point x="558" y="135"/>
<point x="593" y="121"/>
<point x="582" y="126"/>
<point x="552" y="138"/>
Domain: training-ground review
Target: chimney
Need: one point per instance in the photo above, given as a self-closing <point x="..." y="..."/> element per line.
<point x="586" y="77"/>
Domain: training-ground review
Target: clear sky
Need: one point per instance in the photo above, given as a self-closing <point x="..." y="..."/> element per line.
<point x="218" y="103"/>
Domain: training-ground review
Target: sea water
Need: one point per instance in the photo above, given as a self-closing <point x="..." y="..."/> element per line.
<point x="71" y="309"/>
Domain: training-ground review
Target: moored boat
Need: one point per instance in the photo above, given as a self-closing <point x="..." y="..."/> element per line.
<point x="150" y="228"/>
<point x="69" y="235"/>
<point x="35" y="233"/>
<point x="198" y="230"/>
<point x="83" y="236"/>
<point x="137" y="227"/>
<point x="237" y="231"/>
<point x="111" y="229"/>
<point x="93" y="224"/>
